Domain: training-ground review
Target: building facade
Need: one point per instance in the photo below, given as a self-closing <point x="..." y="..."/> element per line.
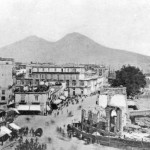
<point x="36" y="101"/>
<point x="78" y="80"/>
<point x="6" y="80"/>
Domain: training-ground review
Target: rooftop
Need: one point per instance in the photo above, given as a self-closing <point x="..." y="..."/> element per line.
<point x="56" y="66"/>
<point x="6" y="59"/>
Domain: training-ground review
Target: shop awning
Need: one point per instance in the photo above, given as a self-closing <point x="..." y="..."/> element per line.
<point x="35" y="108"/>
<point x="23" y="107"/>
<point x="14" y="126"/>
<point x="5" y="130"/>
<point x="96" y="133"/>
<point x="2" y="133"/>
<point x="58" y="101"/>
<point x="62" y="97"/>
<point x="14" y="109"/>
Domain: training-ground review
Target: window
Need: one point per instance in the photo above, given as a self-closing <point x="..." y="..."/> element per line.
<point x="81" y="91"/>
<point x="3" y="98"/>
<point x="73" y="69"/>
<point x="36" y="97"/>
<point x="74" y="93"/>
<point x="67" y="82"/>
<point x="52" y="76"/>
<point x="37" y="76"/>
<point x="81" y="83"/>
<point x="29" y="70"/>
<point x="22" y="83"/>
<point x="3" y="92"/>
<point x="22" y="97"/>
<point x="73" y="82"/>
<point x="45" y="76"/>
<point x="18" y="82"/>
<point x="42" y="76"/>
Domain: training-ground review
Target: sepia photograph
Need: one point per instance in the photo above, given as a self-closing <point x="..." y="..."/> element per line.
<point x="74" y="75"/>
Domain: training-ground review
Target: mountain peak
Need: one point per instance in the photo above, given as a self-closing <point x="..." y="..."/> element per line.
<point x="75" y="35"/>
<point x="33" y="38"/>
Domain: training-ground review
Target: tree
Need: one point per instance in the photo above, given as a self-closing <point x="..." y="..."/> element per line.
<point x="130" y="77"/>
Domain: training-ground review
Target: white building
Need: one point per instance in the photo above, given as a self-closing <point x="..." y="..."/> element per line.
<point x="78" y="80"/>
<point x="6" y="80"/>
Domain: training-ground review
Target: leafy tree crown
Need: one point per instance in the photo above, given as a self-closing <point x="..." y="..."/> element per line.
<point x="130" y="77"/>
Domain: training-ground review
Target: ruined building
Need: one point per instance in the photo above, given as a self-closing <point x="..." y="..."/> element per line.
<point x="110" y="115"/>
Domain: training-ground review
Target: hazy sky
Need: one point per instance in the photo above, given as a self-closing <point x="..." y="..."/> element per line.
<point x="123" y="24"/>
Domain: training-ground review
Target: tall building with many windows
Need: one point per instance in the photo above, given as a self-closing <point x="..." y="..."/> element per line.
<point x="78" y="79"/>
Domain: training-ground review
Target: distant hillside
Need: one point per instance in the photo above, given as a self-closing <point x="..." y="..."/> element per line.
<point x="75" y="48"/>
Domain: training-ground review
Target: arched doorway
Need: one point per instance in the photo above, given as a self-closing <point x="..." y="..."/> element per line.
<point x="115" y="120"/>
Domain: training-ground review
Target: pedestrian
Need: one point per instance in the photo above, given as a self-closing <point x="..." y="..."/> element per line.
<point x="27" y="129"/>
<point x="36" y="139"/>
<point x="30" y="132"/>
<point x="43" y="146"/>
<point x="33" y="132"/>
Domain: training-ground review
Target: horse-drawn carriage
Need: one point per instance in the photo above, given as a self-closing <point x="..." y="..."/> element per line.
<point x="38" y="132"/>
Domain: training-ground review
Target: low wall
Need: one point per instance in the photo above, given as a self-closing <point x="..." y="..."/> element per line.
<point x="113" y="142"/>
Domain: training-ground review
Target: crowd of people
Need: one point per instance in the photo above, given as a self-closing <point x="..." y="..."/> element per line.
<point x="25" y="131"/>
<point x="62" y="132"/>
<point x="71" y="100"/>
<point x="32" y="144"/>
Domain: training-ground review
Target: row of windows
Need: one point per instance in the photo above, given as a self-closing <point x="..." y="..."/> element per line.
<point x="56" y="77"/>
<point x="74" y="83"/>
<point x="23" y="97"/>
<point x="56" y="70"/>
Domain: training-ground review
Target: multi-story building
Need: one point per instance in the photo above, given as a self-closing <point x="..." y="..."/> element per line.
<point x="36" y="99"/>
<point x="77" y="78"/>
<point x="6" y="80"/>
